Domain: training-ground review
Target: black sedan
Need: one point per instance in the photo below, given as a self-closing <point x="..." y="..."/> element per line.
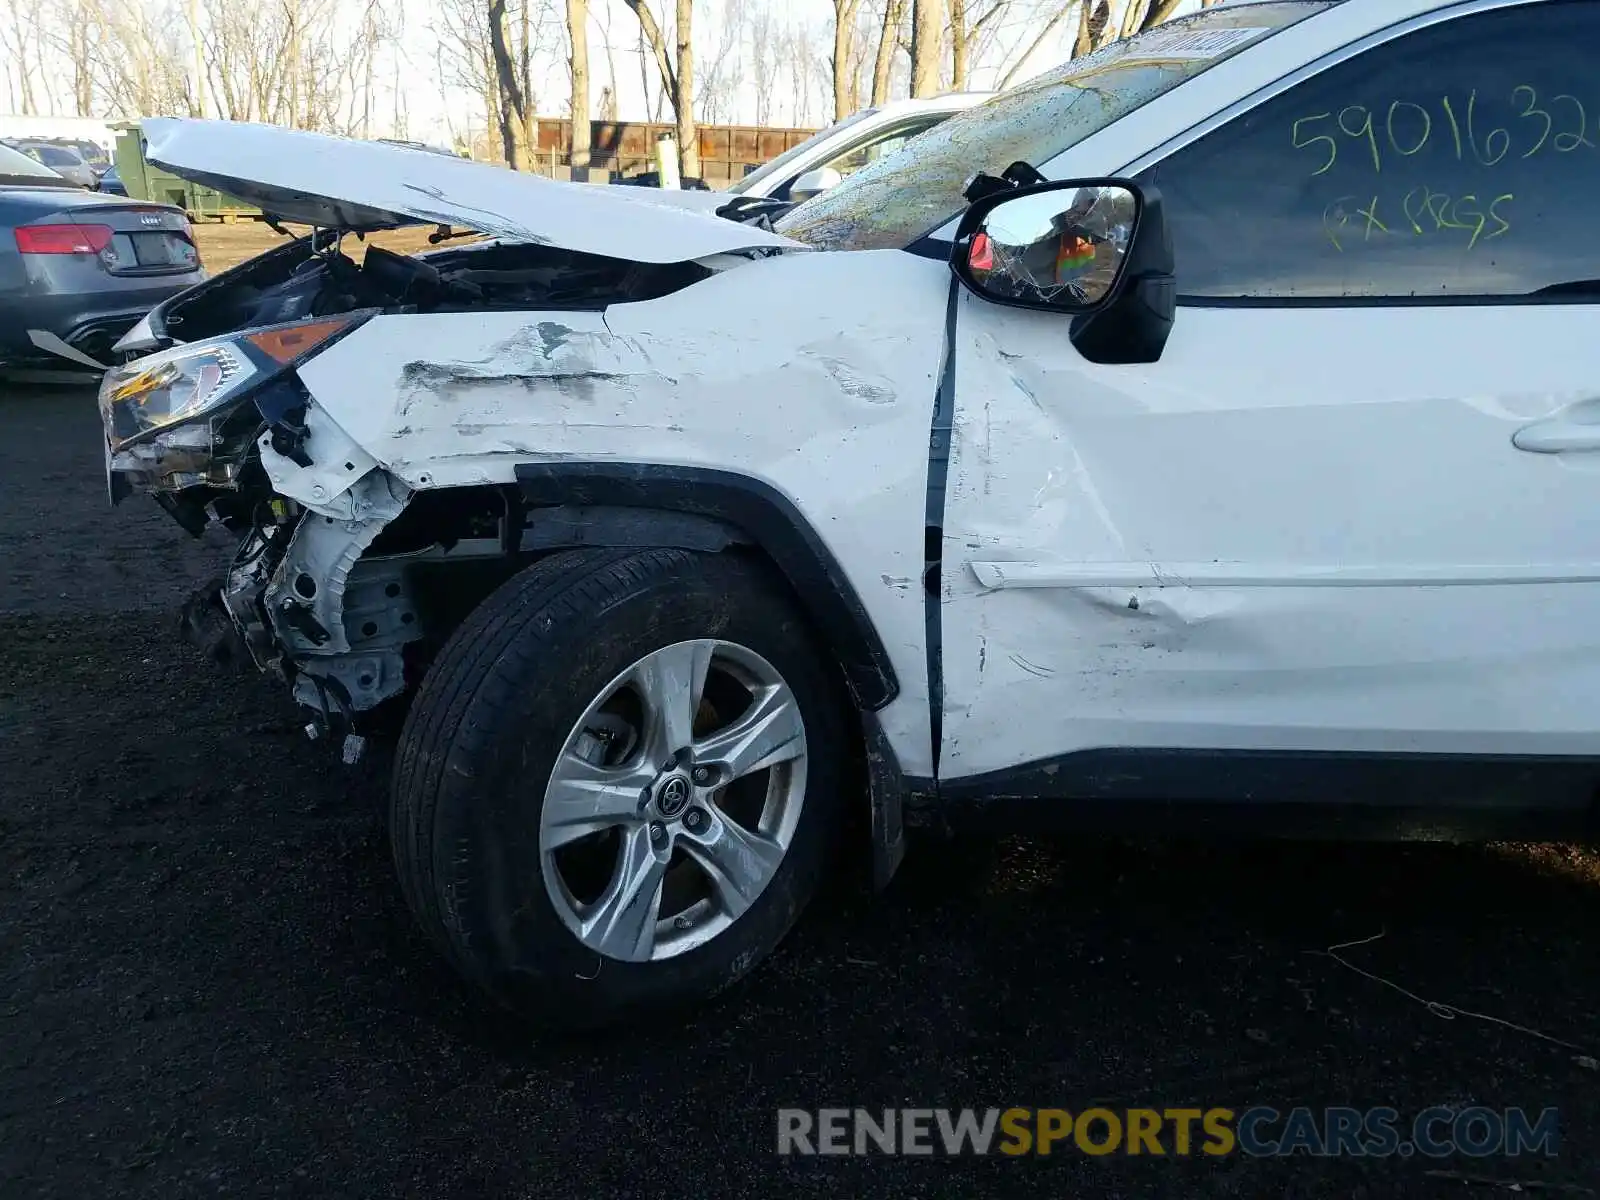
<point x="111" y="182"/>
<point x="83" y="266"/>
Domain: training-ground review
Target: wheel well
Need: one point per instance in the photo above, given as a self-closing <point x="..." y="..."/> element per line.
<point x="698" y="508"/>
<point x="488" y="533"/>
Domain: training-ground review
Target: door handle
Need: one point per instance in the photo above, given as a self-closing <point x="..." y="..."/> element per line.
<point x="1573" y="428"/>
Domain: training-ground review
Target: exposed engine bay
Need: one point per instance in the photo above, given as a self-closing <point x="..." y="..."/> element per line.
<point x="313" y="277"/>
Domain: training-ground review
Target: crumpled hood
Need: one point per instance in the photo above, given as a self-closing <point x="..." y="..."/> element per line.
<point x="334" y="182"/>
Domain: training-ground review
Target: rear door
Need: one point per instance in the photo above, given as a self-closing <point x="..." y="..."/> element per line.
<point x="1353" y="507"/>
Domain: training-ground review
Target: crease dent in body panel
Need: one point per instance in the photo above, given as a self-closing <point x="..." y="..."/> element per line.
<point x="557" y="378"/>
<point x="571" y="367"/>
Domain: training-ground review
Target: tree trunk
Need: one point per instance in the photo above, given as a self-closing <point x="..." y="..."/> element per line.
<point x="683" y="98"/>
<point x="1093" y="16"/>
<point x="1133" y="20"/>
<point x="578" y="37"/>
<point x="894" y="16"/>
<point x="292" y="8"/>
<point x="958" y="45"/>
<point x="530" y="103"/>
<point x="513" y="104"/>
<point x="844" y="32"/>
<point x="927" y="37"/>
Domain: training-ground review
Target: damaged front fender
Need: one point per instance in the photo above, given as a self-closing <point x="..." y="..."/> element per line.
<point x="812" y="374"/>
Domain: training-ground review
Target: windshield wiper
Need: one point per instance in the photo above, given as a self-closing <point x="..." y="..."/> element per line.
<point x="759" y="211"/>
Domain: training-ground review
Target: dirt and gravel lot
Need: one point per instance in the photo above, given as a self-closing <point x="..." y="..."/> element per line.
<point x="208" y="983"/>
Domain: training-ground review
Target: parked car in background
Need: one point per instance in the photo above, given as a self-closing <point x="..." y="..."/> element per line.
<point x="823" y="160"/>
<point x="111" y="182"/>
<point x="91" y="152"/>
<point x="63" y="160"/>
<point x="81" y="266"/>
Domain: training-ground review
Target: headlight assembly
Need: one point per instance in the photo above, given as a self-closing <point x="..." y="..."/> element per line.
<point x="205" y="379"/>
<point x="170" y="389"/>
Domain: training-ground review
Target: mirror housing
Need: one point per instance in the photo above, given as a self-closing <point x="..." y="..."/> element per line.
<point x="814" y="183"/>
<point x="1097" y="250"/>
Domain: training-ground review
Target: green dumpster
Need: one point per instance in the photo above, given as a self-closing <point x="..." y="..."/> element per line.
<point x="147" y="182"/>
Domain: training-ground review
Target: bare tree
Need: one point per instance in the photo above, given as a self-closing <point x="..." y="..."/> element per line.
<point x="968" y="25"/>
<point x="763" y="68"/>
<point x="1094" y="18"/>
<point x="1098" y="27"/>
<point x="1044" y="33"/>
<point x="653" y="96"/>
<point x="894" y="19"/>
<point x="678" y="82"/>
<point x="717" y="91"/>
<point x="71" y="33"/>
<point x="516" y="106"/>
<point x="22" y="39"/>
<point x="464" y="54"/>
<point x="808" y="71"/>
<point x="1145" y="14"/>
<point x="688" y="135"/>
<point x="578" y="62"/>
<point x="608" y="92"/>
<point x="843" y="61"/>
<point x="137" y="58"/>
<point x="927" y="40"/>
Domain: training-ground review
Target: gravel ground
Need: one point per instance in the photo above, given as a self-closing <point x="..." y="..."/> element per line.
<point x="208" y="983"/>
<point x="223" y="246"/>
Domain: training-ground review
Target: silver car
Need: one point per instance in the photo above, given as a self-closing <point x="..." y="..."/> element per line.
<point x="63" y="160"/>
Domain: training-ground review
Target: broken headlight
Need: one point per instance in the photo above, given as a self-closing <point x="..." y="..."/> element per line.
<point x="170" y="389"/>
<point x="187" y="382"/>
<point x="168" y="416"/>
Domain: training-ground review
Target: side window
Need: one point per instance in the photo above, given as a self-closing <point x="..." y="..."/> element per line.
<point x="887" y="142"/>
<point x="1459" y="160"/>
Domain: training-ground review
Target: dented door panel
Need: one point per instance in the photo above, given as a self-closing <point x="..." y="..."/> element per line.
<point x="1300" y="530"/>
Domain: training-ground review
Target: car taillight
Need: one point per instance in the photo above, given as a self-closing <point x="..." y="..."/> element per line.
<point x="63" y="239"/>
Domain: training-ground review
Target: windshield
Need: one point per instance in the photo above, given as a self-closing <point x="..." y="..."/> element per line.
<point x="893" y="202"/>
<point x="17" y="167"/>
<point x="776" y="165"/>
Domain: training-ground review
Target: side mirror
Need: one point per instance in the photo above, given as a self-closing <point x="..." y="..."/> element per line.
<point x="814" y="183"/>
<point x="1096" y="250"/>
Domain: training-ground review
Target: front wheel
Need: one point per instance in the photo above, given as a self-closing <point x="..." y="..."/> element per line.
<point x="617" y="787"/>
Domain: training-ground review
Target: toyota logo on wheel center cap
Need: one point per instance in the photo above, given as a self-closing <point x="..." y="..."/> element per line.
<point x="673" y="796"/>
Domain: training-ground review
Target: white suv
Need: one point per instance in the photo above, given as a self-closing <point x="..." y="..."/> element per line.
<point x="1209" y="426"/>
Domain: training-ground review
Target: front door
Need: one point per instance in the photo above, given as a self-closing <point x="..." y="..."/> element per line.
<point x="1354" y="505"/>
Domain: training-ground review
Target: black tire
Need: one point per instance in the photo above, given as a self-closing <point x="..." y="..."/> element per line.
<point x="481" y="740"/>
